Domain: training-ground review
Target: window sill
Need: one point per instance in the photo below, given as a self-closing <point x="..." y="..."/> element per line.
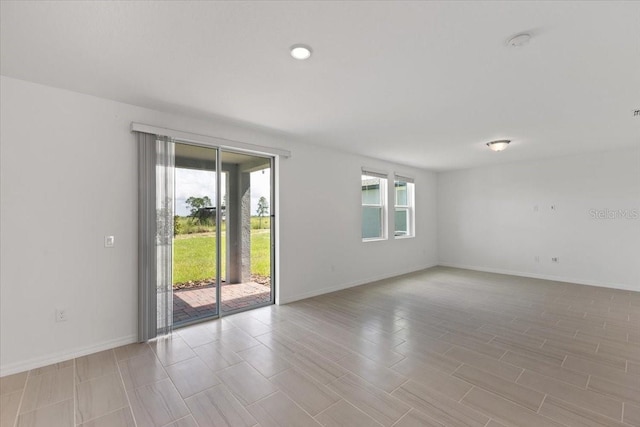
<point x="375" y="239"/>
<point x="404" y="237"/>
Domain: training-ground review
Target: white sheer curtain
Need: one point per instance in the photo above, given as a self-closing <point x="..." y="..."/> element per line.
<point x="165" y="158"/>
<point x="155" y="236"/>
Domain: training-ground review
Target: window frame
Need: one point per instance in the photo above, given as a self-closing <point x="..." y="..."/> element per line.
<point x="409" y="208"/>
<point x="383" y="206"/>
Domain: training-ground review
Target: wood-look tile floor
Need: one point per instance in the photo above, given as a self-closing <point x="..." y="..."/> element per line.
<point x="441" y="347"/>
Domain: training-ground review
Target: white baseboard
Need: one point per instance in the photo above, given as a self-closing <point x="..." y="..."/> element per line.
<point x="38" y="362"/>
<point x="347" y="285"/>
<point x="563" y="279"/>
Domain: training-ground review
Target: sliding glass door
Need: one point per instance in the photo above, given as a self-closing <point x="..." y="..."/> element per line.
<point x="223" y="239"/>
<point x="196" y="272"/>
<point x="247" y="237"/>
<point x="206" y="231"/>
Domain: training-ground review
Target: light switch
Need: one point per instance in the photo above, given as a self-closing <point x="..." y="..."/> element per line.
<point x="109" y="241"/>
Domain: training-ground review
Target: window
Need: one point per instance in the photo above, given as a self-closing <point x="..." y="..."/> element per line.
<point x="403" y="214"/>
<point x="374" y="201"/>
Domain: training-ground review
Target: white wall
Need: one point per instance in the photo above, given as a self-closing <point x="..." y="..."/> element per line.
<point x="68" y="177"/>
<point x="68" y="172"/>
<point x="487" y="218"/>
<point x="320" y="218"/>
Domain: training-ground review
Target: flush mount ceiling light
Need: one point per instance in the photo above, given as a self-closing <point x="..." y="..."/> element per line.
<point x="300" y="51"/>
<point x="519" y="40"/>
<point x="499" y="145"/>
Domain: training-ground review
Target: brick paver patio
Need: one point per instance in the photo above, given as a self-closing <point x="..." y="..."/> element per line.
<point x="195" y="303"/>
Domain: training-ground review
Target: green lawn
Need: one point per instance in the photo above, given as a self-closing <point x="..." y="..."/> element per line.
<point x="194" y="256"/>
<point x="260" y="252"/>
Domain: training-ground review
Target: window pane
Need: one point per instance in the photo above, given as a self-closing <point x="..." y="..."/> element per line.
<point x="371" y="222"/>
<point x="370" y="190"/>
<point x="401" y="193"/>
<point x="402" y="222"/>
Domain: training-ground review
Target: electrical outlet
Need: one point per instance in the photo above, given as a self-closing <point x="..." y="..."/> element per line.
<point x="555" y="259"/>
<point x="61" y="315"/>
<point x="554" y="208"/>
<point x="109" y="241"/>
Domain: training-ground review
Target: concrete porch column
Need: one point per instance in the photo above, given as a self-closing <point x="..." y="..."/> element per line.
<point x="238" y="212"/>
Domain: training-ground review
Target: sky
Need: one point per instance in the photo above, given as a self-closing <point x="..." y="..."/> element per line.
<point x="199" y="183"/>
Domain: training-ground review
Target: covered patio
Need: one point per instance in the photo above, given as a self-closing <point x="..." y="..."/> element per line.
<point x="197" y="303"/>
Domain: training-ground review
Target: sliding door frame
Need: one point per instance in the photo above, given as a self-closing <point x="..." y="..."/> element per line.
<point x="219" y="234"/>
<point x="272" y="244"/>
<point x="147" y="310"/>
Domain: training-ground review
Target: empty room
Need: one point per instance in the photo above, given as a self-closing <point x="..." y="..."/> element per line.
<point x="319" y="213"/>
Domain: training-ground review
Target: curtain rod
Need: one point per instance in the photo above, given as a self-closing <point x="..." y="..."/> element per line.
<point x="210" y="140"/>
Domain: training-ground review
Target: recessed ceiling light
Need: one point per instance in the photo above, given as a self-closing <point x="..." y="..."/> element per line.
<point x="519" y="40"/>
<point x="300" y="51"/>
<point x="498" y="145"/>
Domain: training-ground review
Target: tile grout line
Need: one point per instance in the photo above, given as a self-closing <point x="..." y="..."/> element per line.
<point x="48" y="405"/>
<point x="587" y="409"/>
<point x="327" y="408"/>
<point x="456" y="370"/>
<point x="391" y="367"/>
<point x="126" y="392"/>
<point x="403" y="415"/>
<point x="503" y="354"/>
<point x="103" y="415"/>
<point x="24" y="389"/>
<point x="541" y="403"/>
<point x="564" y="360"/>
<point x="465" y="395"/>
<point x="30" y="375"/>
<point x="289" y="397"/>
<point x="75" y="391"/>
<point x="399" y="387"/>
<point x="179" y="419"/>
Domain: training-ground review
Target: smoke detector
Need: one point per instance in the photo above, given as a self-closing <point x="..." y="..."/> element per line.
<point x="519" y="40"/>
